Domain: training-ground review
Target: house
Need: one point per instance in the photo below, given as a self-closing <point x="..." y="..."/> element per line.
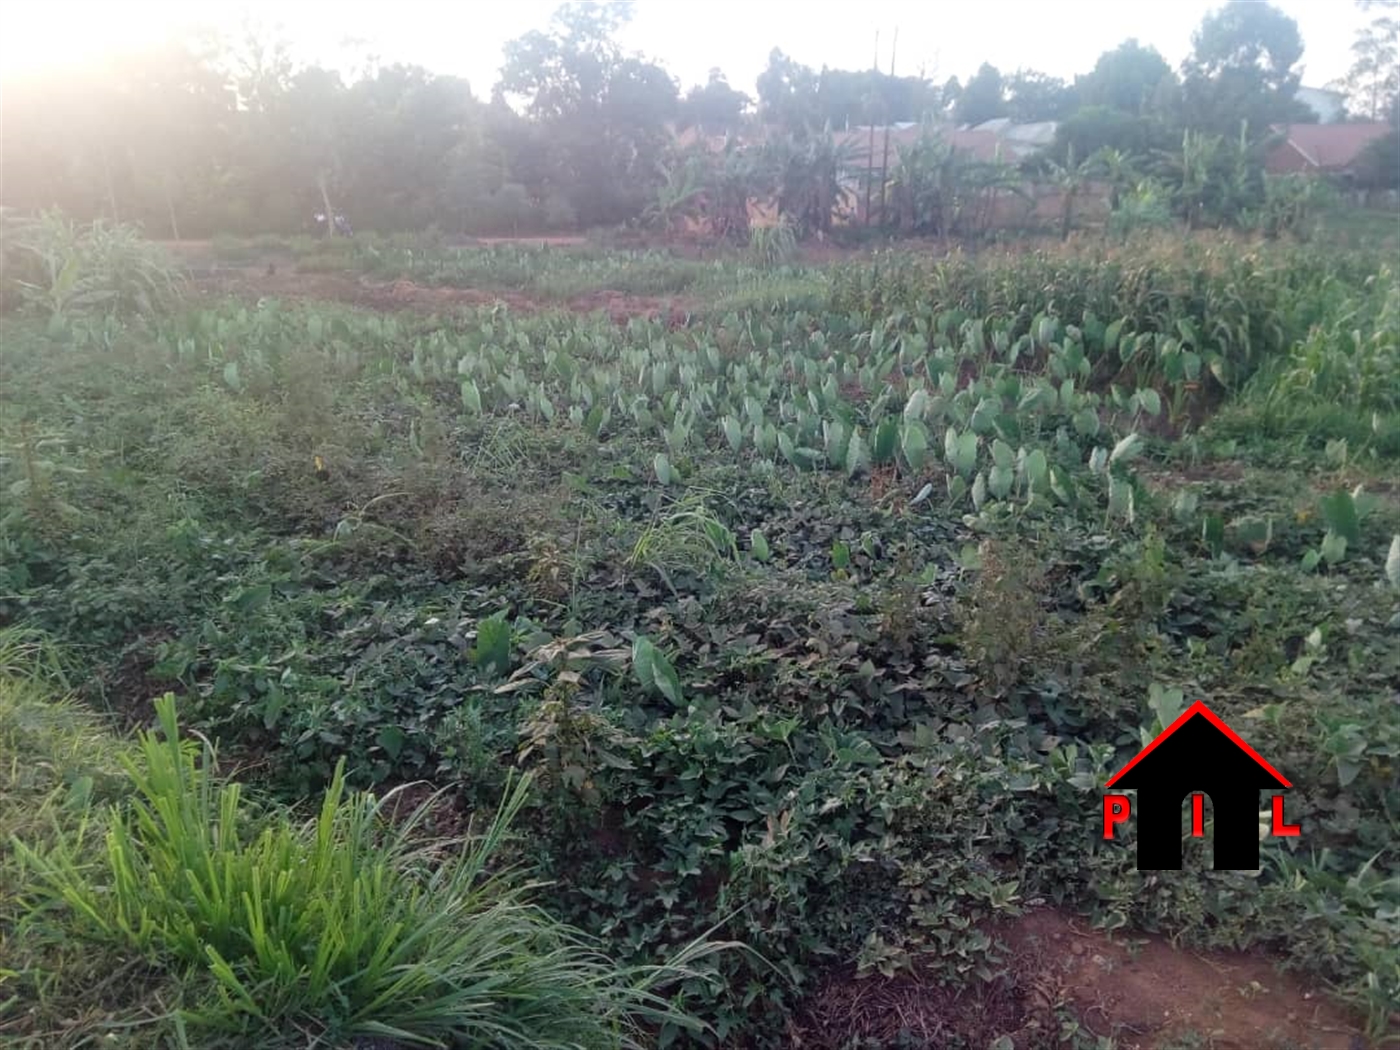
<point x="1322" y="149"/>
<point x="979" y="145"/>
<point x="1328" y="106"/>
<point x="1020" y="140"/>
<point x="1198" y="753"/>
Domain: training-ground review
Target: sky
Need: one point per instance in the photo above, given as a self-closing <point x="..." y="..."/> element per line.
<point x="940" y="38"/>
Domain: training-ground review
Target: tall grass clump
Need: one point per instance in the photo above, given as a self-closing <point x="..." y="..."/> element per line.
<point x="774" y="245"/>
<point x="350" y="925"/>
<point x="61" y="269"/>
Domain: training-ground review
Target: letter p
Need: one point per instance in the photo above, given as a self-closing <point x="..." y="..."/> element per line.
<point x="1116" y="809"/>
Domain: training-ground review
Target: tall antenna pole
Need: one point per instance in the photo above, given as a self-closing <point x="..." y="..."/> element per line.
<point x="870" y="153"/>
<point x="885" y="164"/>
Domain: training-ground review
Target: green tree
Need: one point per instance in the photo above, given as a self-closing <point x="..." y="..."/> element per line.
<point x="605" y="111"/>
<point x="1032" y="97"/>
<point x="1243" y="68"/>
<point x="678" y="196"/>
<point x="730" y="179"/>
<point x="787" y="94"/>
<point x="316" y="123"/>
<point x="848" y="97"/>
<point x="714" y="107"/>
<point x="926" y="184"/>
<point x="1070" y="178"/>
<point x="982" y="97"/>
<point x="1374" y="77"/>
<point x="1095" y="128"/>
<point x="1129" y="78"/>
<point x="1214" y="180"/>
<point x="408" y="132"/>
<point x="807" y="171"/>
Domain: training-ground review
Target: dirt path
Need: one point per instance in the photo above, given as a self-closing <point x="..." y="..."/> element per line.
<point x="1138" y="990"/>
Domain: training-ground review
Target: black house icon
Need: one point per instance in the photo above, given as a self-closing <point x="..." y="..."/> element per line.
<point x="1198" y="753"/>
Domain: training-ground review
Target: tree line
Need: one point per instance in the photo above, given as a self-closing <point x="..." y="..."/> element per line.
<point x="203" y="135"/>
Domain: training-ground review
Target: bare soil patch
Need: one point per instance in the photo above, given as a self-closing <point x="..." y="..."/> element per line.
<point x="402" y="294"/>
<point x="1141" y="991"/>
<point x="1170" y="479"/>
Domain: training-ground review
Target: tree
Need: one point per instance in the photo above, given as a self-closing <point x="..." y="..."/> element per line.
<point x="981" y="99"/>
<point x="1070" y="178"/>
<point x="926" y="185"/>
<point x="175" y="108"/>
<point x="1374" y="77"/>
<point x="1095" y="128"/>
<point x="260" y="65"/>
<point x="1033" y="97"/>
<point x="716" y="107"/>
<point x="316" y="124"/>
<point x="714" y="104"/>
<point x="787" y="94"/>
<point x="867" y="96"/>
<point x="807" y="171"/>
<point x="1214" y="180"/>
<point x="1118" y="169"/>
<point x="605" y="111"/>
<point x="949" y="94"/>
<point x="729" y="180"/>
<point x="1128" y="79"/>
<point x="678" y="196"/>
<point x="407" y="133"/>
<point x="1241" y="69"/>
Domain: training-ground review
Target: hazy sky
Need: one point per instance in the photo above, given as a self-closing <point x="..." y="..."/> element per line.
<point x="940" y="37"/>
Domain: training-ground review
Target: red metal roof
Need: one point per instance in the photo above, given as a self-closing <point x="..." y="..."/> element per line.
<point x="1322" y="147"/>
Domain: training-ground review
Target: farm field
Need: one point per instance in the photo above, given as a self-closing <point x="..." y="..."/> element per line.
<point x="787" y="617"/>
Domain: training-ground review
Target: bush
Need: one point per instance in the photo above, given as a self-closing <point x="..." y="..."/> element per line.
<point x="347" y="926"/>
<point x="1145" y="207"/>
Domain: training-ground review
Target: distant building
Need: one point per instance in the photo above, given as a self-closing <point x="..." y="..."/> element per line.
<point x="1329" y="106"/>
<point x="1322" y="149"/>
<point x="1020" y="140"/>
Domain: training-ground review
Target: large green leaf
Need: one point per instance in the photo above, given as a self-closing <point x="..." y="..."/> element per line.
<point x="1339" y="511"/>
<point x="1037" y="468"/>
<point x="857" y="455"/>
<point x="886" y="440"/>
<point x="1126" y="449"/>
<point x="965" y="455"/>
<point x="1000" y="480"/>
<point x="913" y="442"/>
<point x="655" y="672"/>
<point x="916" y="405"/>
<point x="492" y="651"/>
<point x="758" y="544"/>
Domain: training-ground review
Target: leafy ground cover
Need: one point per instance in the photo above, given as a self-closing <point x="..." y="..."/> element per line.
<point x="817" y="619"/>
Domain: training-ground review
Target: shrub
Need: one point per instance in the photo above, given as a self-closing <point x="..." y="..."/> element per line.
<point x="63" y="269"/>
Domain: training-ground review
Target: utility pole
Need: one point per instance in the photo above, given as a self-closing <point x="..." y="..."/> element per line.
<point x="870" y="153"/>
<point x="885" y="163"/>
